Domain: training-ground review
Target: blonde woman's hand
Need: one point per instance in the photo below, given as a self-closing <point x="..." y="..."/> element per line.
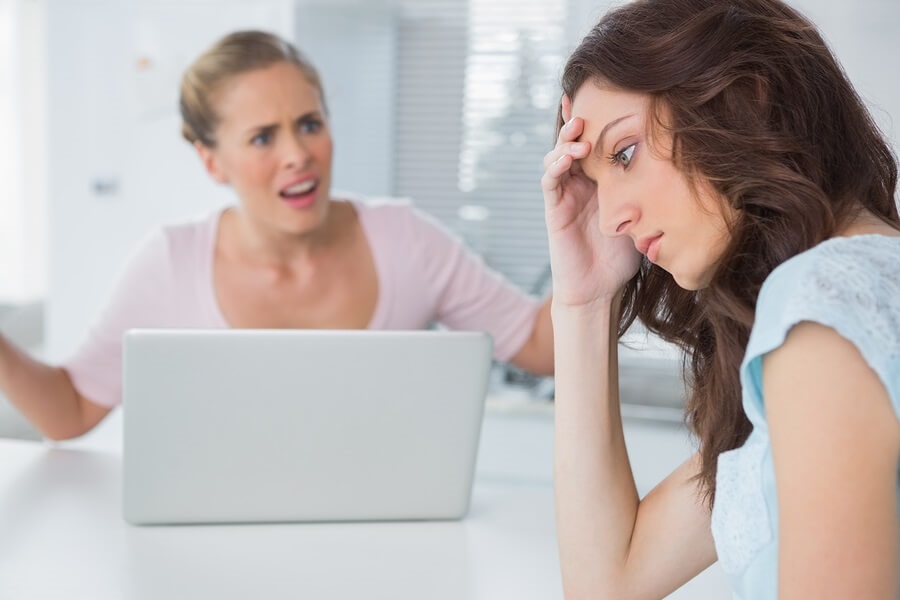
<point x="588" y="267"/>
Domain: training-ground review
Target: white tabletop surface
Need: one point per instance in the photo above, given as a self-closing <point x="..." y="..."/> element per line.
<point x="62" y="533"/>
<point x="62" y="536"/>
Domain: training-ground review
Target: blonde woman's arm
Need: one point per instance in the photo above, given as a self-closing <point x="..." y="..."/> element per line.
<point x="536" y="355"/>
<point x="45" y="395"/>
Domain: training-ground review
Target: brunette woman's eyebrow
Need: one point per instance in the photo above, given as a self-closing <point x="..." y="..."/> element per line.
<point x="598" y="145"/>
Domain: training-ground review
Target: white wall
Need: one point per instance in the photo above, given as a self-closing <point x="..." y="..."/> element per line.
<point x="865" y="36"/>
<point x="353" y="43"/>
<point x="10" y="163"/>
<point x="23" y="243"/>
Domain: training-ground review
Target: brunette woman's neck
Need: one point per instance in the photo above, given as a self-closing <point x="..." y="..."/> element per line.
<point x="866" y="222"/>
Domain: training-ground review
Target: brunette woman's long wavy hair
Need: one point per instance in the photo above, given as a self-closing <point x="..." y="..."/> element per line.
<point x="760" y="109"/>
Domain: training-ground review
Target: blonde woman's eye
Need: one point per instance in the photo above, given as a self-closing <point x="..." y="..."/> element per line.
<point x="311" y="125"/>
<point x="261" y="139"/>
<point x="623" y="157"/>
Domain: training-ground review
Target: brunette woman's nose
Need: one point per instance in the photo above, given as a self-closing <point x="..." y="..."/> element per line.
<point x="616" y="217"/>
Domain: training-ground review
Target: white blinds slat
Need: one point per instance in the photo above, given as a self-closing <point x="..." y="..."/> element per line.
<point x="477" y="86"/>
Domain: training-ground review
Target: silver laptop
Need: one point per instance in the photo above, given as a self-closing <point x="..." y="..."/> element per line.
<point x="230" y="426"/>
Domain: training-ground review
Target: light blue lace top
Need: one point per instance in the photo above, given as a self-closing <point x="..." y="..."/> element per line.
<point x="851" y="285"/>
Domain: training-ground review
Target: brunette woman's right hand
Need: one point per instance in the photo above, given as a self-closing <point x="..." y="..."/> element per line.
<point x="589" y="269"/>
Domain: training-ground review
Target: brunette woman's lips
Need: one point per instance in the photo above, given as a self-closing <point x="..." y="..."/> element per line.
<point x="653" y="249"/>
<point x="649" y="246"/>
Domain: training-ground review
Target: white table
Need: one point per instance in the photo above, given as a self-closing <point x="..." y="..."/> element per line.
<point x="62" y="536"/>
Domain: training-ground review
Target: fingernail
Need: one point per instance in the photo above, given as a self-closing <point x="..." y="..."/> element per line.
<point x="579" y="146"/>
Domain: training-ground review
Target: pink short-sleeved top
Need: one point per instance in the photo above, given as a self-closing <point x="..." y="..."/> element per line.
<point x="425" y="275"/>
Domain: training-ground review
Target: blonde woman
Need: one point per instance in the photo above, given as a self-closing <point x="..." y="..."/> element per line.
<point x="288" y="255"/>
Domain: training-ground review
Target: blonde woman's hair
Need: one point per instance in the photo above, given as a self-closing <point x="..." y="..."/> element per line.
<point x="234" y="54"/>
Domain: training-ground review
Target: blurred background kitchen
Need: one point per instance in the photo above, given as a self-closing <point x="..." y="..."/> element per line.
<point x="448" y="102"/>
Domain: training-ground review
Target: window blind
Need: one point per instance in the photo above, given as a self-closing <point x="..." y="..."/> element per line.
<point x="477" y="89"/>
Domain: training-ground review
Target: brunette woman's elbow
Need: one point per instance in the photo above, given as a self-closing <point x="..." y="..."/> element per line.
<point x="602" y="584"/>
<point x="596" y="591"/>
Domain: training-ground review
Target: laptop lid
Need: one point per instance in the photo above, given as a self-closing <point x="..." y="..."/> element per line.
<point x="242" y="425"/>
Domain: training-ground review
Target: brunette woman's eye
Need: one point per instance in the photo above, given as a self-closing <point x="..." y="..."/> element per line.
<point x="623" y="157"/>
